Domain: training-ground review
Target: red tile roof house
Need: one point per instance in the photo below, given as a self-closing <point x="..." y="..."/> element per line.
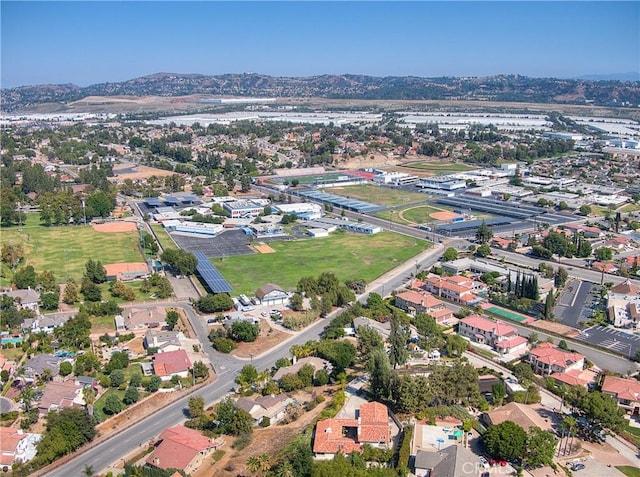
<point x="10" y="438"/>
<point x="181" y="448"/>
<point x="501" y="337"/>
<point x="547" y="359"/>
<point x="59" y="395"/>
<point x="414" y="302"/>
<point x="453" y="289"/>
<point x="171" y="363"/>
<point x="344" y="436"/>
<point x="625" y="391"/>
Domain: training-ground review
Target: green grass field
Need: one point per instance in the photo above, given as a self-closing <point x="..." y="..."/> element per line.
<point x="348" y="256"/>
<point x="64" y="250"/>
<point x="376" y="195"/>
<point x="166" y="242"/>
<point x="420" y="214"/>
<point x="506" y="314"/>
<point x="440" y="167"/>
<point x="628" y="470"/>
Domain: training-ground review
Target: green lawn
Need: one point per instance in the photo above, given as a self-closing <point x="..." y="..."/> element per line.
<point x="98" y="406"/>
<point x="65" y="249"/>
<point x="376" y="195"/>
<point x="628" y="470"/>
<point x="166" y="242"/>
<point x="348" y="256"/>
<point x="440" y="167"/>
<point x="420" y="214"/>
<point x="628" y="208"/>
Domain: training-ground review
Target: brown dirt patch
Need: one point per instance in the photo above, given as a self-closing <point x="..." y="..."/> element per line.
<point x="119" y="226"/>
<point x="268" y="339"/>
<point x="137" y="172"/>
<point x="444" y="215"/>
<point x="270" y="440"/>
<point x="554" y="327"/>
<point x="264" y="248"/>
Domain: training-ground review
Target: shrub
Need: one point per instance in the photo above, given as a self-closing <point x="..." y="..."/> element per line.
<point x="242" y="441"/>
<point x="405" y="451"/>
<point x="265" y="422"/>
<point x="224" y="345"/>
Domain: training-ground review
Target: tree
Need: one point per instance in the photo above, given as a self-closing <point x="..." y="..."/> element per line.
<point x="131" y="395"/>
<point x="604" y="254"/>
<point x="88" y="471"/>
<point x="248" y="375"/>
<point x="305" y="374"/>
<point x="49" y="301"/>
<point x="523" y="372"/>
<point x="398" y="352"/>
<point x="47" y="280"/>
<point x="25" y="278"/>
<point x="296" y="302"/>
<point x="505" y="441"/>
<point x="118" y="360"/>
<point x="498" y="393"/>
<point x="560" y="277"/>
<point x="172" y="319"/>
<point x="548" y="305"/>
<point x="95" y="271"/>
<point x="112" y="405"/>
<point x="484" y="233"/>
<point x="455" y="345"/>
<point x="602" y="410"/>
<point x="12" y="254"/>
<point x="341" y="353"/>
<point x="65" y="368"/>
<point x="214" y="303"/>
<point x="196" y="407"/>
<point x="585" y="209"/>
<point x="183" y="262"/>
<point x="380" y="373"/>
<point x="117" y="377"/>
<point x="368" y="340"/>
<point x="67" y="430"/>
<point x="483" y="250"/>
<point x="154" y="384"/>
<point x="291" y="382"/>
<point x="450" y="254"/>
<point x="70" y="295"/>
<point x="233" y="420"/>
<point x="244" y="331"/>
<point x="540" y="447"/>
<point x="200" y="370"/>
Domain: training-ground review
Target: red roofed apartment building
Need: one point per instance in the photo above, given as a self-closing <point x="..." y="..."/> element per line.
<point x="344" y="436"/>
<point x="547" y="359"/>
<point x="625" y="391"/>
<point x="502" y="338"/>
<point x="181" y="448"/>
<point x="457" y="289"/>
<point x="414" y="302"/>
<point x="171" y="363"/>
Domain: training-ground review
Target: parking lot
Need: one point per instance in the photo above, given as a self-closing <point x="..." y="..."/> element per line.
<point x="617" y="341"/>
<point x="577" y="303"/>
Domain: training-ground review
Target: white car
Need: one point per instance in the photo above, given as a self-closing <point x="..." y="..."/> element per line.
<point x="484" y="463"/>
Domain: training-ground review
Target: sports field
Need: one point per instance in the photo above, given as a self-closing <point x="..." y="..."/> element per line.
<point x="348" y="256"/>
<point x="65" y="249"/>
<point x="510" y="315"/>
<point x="163" y="237"/>
<point x="374" y="194"/>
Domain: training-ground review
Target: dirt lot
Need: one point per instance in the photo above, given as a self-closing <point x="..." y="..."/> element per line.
<point x="264" y="248"/>
<point x="268" y="338"/>
<point x="136" y="172"/>
<point x="270" y="440"/>
<point x="119" y="226"/>
<point x="554" y="327"/>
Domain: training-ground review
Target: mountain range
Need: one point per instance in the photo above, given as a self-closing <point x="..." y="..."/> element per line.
<point x="507" y="88"/>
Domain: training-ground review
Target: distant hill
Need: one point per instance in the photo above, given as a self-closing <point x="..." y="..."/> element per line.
<point x="510" y="88"/>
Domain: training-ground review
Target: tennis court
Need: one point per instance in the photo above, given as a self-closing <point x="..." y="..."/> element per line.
<point x="510" y="315"/>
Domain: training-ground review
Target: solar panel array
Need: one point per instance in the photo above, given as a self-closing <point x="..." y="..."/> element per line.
<point x="473" y="224"/>
<point x="152" y="202"/>
<point x="509" y="209"/>
<point x="340" y="201"/>
<point x="210" y="274"/>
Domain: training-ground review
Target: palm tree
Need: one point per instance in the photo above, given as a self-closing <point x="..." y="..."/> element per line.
<point x="285" y="470"/>
<point x="89" y="396"/>
<point x="265" y="462"/>
<point x="88" y="471"/>
<point x="569" y="424"/>
<point x="253" y="464"/>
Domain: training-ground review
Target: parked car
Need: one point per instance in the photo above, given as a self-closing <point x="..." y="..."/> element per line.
<point x="578" y="466"/>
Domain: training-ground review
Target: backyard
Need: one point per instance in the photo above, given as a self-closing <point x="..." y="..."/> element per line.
<point x="348" y="256"/>
<point x="65" y="249"/>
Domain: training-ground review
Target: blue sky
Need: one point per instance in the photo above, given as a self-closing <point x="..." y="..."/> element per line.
<point x="92" y="42"/>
